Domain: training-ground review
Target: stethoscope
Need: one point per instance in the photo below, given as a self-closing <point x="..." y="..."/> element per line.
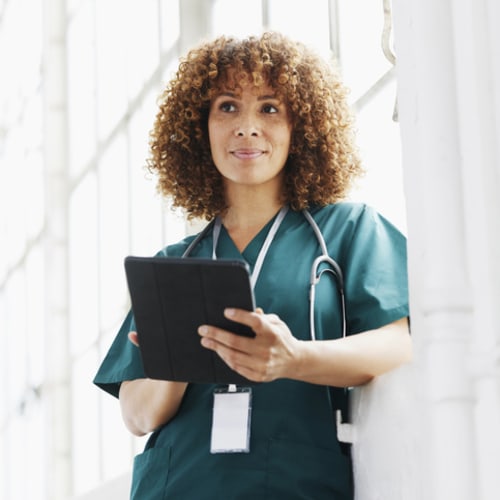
<point x="344" y="430"/>
<point x="317" y="269"/>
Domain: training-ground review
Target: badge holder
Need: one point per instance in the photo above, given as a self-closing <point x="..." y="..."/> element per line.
<point x="231" y="420"/>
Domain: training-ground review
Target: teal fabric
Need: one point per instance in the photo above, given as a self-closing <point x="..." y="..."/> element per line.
<point x="294" y="453"/>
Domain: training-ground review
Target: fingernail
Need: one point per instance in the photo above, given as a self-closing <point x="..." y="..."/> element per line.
<point x="202" y="330"/>
<point x="229" y="312"/>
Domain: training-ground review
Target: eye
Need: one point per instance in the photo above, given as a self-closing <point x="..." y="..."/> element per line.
<point x="269" y="109"/>
<point x="227" y="107"/>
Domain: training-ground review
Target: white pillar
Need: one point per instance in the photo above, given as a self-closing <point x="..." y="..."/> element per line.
<point x="448" y="69"/>
<point x="441" y="304"/>
<point x="56" y="388"/>
<point x="195" y="22"/>
<point x="477" y="61"/>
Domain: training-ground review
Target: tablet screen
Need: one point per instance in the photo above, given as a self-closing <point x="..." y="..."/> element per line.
<point x="171" y="298"/>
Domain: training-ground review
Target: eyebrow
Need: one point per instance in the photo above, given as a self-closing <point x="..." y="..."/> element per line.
<point x="259" y="98"/>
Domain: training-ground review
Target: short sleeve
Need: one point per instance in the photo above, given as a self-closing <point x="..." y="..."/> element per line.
<point x="122" y="362"/>
<point x="375" y="274"/>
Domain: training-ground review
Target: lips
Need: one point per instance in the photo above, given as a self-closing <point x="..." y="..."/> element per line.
<point x="247" y="153"/>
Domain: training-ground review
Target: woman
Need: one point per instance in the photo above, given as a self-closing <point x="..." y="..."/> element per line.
<point x="252" y="133"/>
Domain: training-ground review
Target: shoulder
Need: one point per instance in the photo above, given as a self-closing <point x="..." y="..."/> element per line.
<point x="351" y="215"/>
<point x="176" y="249"/>
<point x="343" y="215"/>
<point x="351" y="227"/>
<point x="343" y="209"/>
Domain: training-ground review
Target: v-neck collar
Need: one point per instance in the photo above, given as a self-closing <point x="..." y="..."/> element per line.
<point x="250" y="253"/>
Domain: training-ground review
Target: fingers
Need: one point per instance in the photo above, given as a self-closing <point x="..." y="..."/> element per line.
<point x="262" y="324"/>
<point x="236" y="351"/>
<point x="133" y="337"/>
<point x="255" y="358"/>
<point x="213" y="337"/>
<point x="256" y="320"/>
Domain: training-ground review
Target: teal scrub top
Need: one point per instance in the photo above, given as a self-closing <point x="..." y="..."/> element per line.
<point x="294" y="452"/>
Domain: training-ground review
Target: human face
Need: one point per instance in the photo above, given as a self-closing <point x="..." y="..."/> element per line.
<point x="250" y="132"/>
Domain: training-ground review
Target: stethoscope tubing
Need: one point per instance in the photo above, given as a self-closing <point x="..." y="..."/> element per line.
<point x="314" y="275"/>
<point x="314" y="280"/>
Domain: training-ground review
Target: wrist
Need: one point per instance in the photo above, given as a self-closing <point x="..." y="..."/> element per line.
<point x="301" y="356"/>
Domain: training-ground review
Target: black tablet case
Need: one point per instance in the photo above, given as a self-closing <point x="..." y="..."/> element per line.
<point x="171" y="298"/>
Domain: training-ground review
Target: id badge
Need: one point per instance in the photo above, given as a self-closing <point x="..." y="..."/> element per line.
<point x="231" y="420"/>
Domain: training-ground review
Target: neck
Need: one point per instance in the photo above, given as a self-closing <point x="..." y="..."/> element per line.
<point x="246" y="216"/>
<point x="251" y="207"/>
<point x="252" y="213"/>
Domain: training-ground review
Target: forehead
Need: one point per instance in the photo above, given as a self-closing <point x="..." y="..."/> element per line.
<point x="244" y="83"/>
<point x="247" y="89"/>
<point x="234" y="80"/>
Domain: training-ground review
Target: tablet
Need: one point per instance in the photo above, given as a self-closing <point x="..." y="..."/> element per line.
<point x="171" y="298"/>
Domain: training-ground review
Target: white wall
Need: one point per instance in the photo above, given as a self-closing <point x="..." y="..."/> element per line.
<point x="115" y="489"/>
<point x="387" y="438"/>
<point x="440" y="418"/>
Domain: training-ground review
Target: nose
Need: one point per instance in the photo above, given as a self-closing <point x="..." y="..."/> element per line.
<point x="247" y="126"/>
<point x="242" y="133"/>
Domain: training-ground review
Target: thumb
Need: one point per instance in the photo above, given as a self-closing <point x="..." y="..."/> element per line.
<point x="133" y="337"/>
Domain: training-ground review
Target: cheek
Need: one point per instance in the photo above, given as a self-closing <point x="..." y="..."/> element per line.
<point x="212" y="137"/>
<point x="285" y="139"/>
<point x="217" y="150"/>
<point x="210" y="129"/>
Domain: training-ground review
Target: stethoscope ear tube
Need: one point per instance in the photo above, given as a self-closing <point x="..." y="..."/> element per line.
<point x="198" y="238"/>
<point x="316" y="276"/>
<point x="315" y="279"/>
<point x="338" y="397"/>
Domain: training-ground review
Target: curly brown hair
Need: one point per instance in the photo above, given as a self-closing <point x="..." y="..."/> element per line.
<point x="322" y="161"/>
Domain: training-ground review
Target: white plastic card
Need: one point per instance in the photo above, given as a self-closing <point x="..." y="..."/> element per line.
<point x="231" y="420"/>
